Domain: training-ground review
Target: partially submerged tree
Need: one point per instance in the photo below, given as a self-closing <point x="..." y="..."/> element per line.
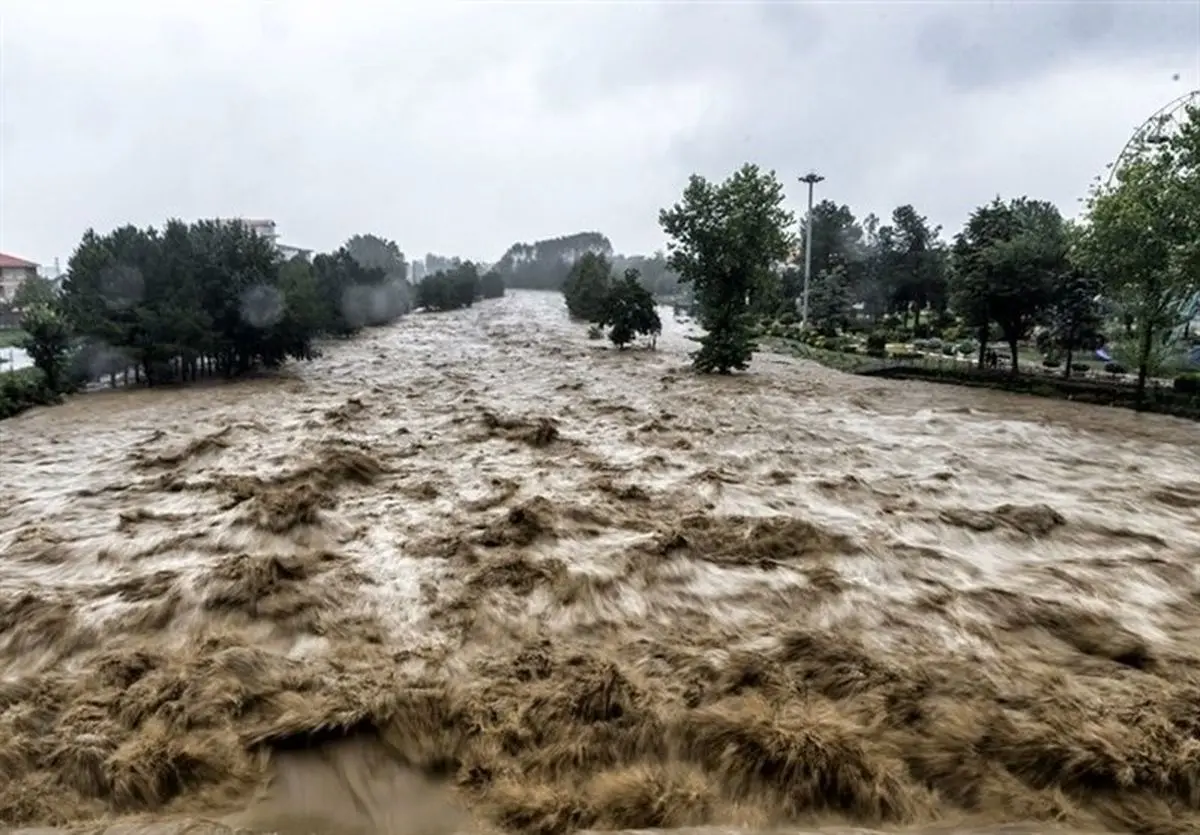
<point x="491" y="285"/>
<point x="587" y="286"/>
<point x="726" y="239"/>
<point x="629" y="311"/>
<point x="451" y="289"/>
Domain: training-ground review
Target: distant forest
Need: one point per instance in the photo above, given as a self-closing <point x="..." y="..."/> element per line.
<point x="544" y="265"/>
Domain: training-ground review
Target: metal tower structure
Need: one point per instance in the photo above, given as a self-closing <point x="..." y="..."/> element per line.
<point x="1155" y="131"/>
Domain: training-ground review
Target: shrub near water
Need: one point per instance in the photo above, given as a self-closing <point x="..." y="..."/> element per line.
<point x="24" y="389"/>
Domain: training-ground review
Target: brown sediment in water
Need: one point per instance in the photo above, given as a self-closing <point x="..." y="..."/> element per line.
<point x="834" y="606"/>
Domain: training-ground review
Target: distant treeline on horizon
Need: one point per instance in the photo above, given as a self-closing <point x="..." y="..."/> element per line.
<point x="545" y="264"/>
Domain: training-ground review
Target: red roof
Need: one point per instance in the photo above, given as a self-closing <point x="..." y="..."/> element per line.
<point x="12" y="261"/>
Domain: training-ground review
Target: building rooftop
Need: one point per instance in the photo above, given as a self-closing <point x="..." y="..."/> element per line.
<point x="13" y="262"/>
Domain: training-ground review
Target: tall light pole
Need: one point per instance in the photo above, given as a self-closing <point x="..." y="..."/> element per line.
<point x="812" y="178"/>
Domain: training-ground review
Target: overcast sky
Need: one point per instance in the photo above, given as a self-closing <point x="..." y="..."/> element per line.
<point x="460" y="128"/>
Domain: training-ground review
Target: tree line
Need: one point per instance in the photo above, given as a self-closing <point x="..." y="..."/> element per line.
<point x="188" y="300"/>
<point x="546" y="264"/>
<point x="1126" y="272"/>
<point x="184" y="301"/>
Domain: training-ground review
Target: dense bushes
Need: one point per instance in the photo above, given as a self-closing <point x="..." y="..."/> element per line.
<point x="213" y="297"/>
<point x="876" y="345"/>
<point x="24" y="389"/>
<point x="451" y="289"/>
<point x="625" y="306"/>
<point x="1187" y="384"/>
<point x="491" y="285"/>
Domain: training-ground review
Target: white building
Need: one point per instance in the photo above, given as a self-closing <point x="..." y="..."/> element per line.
<point x="266" y="228"/>
<point x="262" y="228"/>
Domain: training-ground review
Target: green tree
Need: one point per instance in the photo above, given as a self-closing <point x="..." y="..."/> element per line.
<point x="303" y="315"/>
<point x="48" y="342"/>
<point x="726" y="239"/>
<point x="374" y="252"/>
<point x="353" y="295"/>
<point x="587" y="286"/>
<point x="491" y="285"/>
<point x="1142" y="238"/>
<point x="830" y="303"/>
<point x="1007" y="262"/>
<point x="630" y="311"/>
<point x="34" y="291"/>
<point x="837" y="244"/>
<point x="451" y="289"/>
<point x="1074" y="317"/>
<point x="385" y="264"/>
<point x="179" y="302"/>
<point x="915" y="273"/>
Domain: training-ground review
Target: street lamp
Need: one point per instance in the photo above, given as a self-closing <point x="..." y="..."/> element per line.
<point x="812" y="178"/>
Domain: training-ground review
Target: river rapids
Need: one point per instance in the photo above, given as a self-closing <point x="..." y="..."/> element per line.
<point x="477" y="573"/>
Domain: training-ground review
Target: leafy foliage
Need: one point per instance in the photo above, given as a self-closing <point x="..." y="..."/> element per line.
<point x="192" y="299"/>
<point x="1008" y="260"/>
<point x="629" y="311"/>
<point x="491" y="285"/>
<point x="48" y="342"/>
<point x="726" y="239"/>
<point x="24" y="389"/>
<point x="1143" y="239"/>
<point x="830" y="302"/>
<point x="375" y="253"/>
<point x="452" y="289"/>
<point x="1074" y="320"/>
<point x="587" y="287"/>
<point x="34" y="291"/>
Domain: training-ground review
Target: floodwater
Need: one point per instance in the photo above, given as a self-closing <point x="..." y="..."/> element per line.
<point x="475" y="572"/>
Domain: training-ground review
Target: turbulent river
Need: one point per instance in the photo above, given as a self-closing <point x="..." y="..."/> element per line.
<point x="476" y="572"/>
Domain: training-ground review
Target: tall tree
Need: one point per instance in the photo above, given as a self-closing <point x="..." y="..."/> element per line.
<point x="1143" y="239"/>
<point x="32" y="292"/>
<point x="171" y="301"/>
<point x="47" y="342"/>
<point x="587" y="287"/>
<point x="726" y="239"/>
<point x="1074" y="314"/>
<point x="1008" y="259"/>
<point x="837" y="238"/>
<point x="376" y="253"/>
<point x="629" y="311"/>
<point x="830" y="303"/>
<point x="915" y="270"/>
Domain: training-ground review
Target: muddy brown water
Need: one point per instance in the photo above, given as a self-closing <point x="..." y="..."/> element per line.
<point x="477" y="572"/>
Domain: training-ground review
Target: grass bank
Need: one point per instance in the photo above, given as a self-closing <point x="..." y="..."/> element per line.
<point x="1162" y="399"/>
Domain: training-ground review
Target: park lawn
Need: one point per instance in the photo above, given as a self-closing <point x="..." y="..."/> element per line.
<point x="11" y="337"/>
